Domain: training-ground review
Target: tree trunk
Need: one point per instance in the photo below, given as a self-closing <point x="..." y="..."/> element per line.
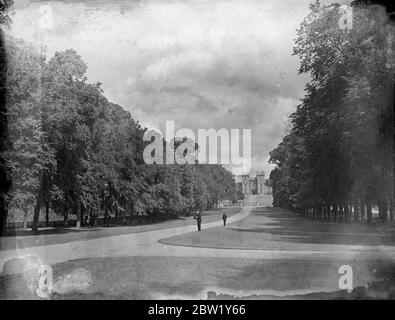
<point x="25" y="218"/>
<point x="78" y="225"/>
<point x="92" y="218"/>
<point x="362" y="210"/>
<point x="385" y="210"/>
<point x="83" y="215"/>
<point x="368" y="211"/>
<point x="339" y="213"/>
<point x="107" y="218"/>
<point x="346" y="213"/>
<point x="36" y="214"/>
<point x="380" y="206"/>
<point x="3" y="213"/>
<point x="131" y="212"/>
<point x="320" y="211"/>
<point x="47" y="214"/>
<point x="356" y="210"/>
<point x="39" y="204"/>
<point x="65" y="217"/>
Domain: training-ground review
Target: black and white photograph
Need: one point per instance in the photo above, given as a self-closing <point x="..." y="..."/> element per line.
<point x="172" y="150"/>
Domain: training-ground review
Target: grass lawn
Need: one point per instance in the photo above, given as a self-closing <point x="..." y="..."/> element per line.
<point x="280" y="229"/>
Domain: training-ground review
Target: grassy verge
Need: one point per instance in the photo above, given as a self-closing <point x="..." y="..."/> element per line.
<point x="281" y="229"/>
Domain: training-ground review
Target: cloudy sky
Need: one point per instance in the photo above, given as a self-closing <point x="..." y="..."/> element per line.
<point x="202" y="64"/>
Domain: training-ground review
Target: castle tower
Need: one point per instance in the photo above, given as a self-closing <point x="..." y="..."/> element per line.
<point x="245" y="184"/>
<point x="260" y="177"/>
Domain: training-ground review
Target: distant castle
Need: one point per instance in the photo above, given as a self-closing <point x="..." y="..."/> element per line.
<point x="253" y="185"/>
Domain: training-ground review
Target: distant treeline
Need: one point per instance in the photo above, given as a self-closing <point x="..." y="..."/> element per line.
<point x="336" y="162"/>
<point x="71" y="150"/>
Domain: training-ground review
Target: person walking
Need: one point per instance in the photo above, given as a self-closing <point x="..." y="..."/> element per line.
<point x="198" y="219"/>
<point x="224" y="216"/>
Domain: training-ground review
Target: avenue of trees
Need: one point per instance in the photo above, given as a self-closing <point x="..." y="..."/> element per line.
<point x="336" y="162"/>
<point x="71" y="150"/>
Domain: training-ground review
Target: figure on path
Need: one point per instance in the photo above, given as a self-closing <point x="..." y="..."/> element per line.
<point x="198" y="219"/>
<point x="224" y="216"/>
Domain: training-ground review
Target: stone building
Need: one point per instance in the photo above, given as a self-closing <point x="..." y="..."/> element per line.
<point x="253" y="185"/>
